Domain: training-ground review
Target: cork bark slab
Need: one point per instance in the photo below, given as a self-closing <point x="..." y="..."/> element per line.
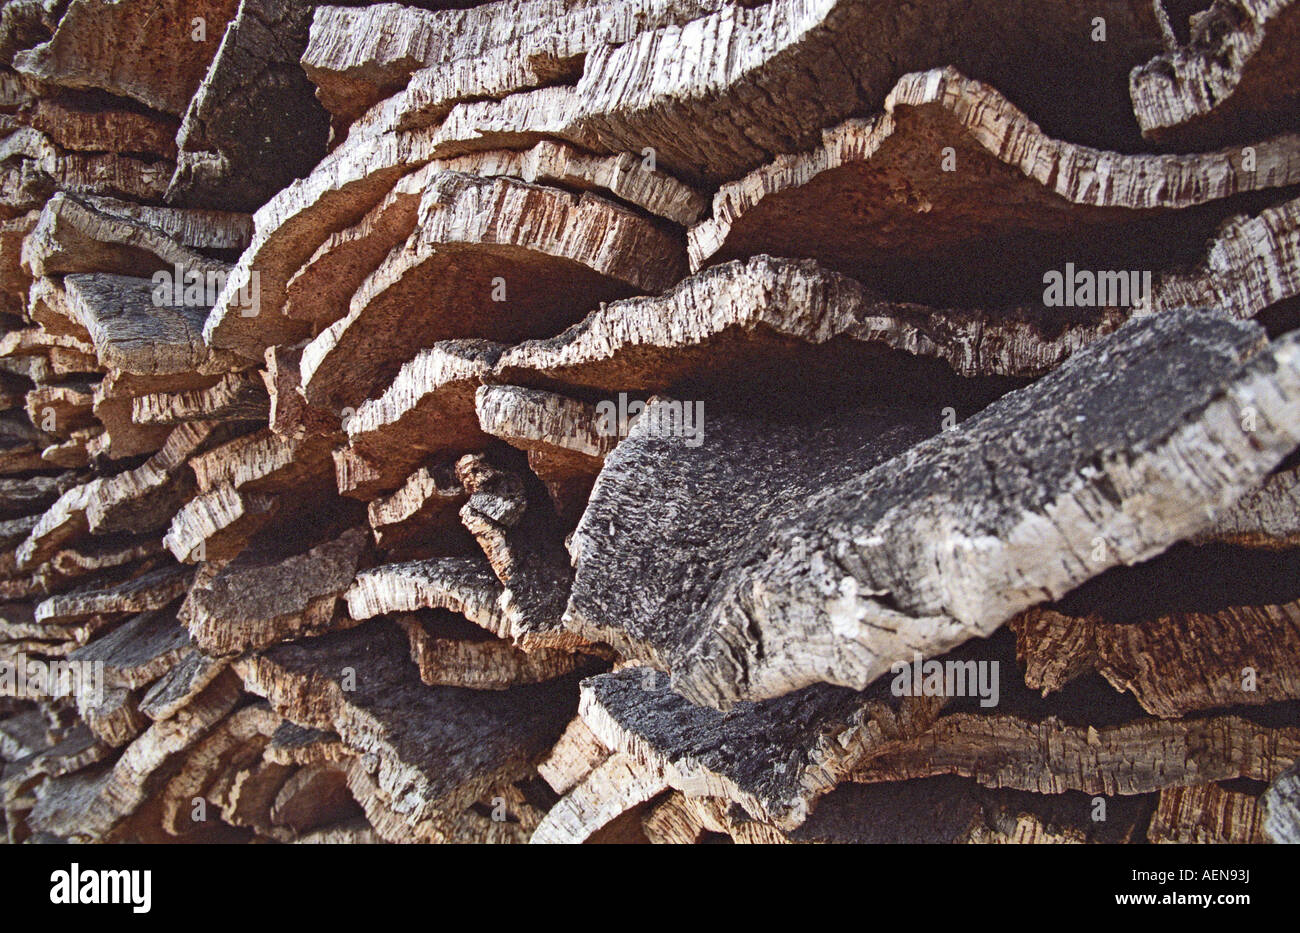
<point x="133" y="333"/>
<point x="1251" y="264"/>
<point x="234" y="397"/>
<point x="1207" y="813"/>
<point x="292" y="225"/>
<point x="426" y="411"/>
<point x="357" y="57"/>
<point x="321" y="289"/>
<point x="724" y="93"/>
<point x="253" y="125"/>
<point x="1233" y="80"/>
<point x="941" y="543"/>
<point x="781" y="312"/>
<point x="774" y="758"/>
<point x="424" y="513"/>
<point x="34" y="168"/>
<point x="141" y="499"/>
<point x="106" y="235"/>
<point x="76" y="124"/>
<point x="90" y="804"/>
<point x="491" y="258"/>
<point x="1049" y="757"/>
<point x="265" y="596"/>
<point x="1269" y="517"/>
<point x="882" y="189"/>
<point x="465" y="741"/>
<point x="452" y="652"/>
<point x="562" y="438"/>
<point x="139" y="50"/>
<point x="1174" y="664"/>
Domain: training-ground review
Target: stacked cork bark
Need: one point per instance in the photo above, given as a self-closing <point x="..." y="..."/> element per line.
<point x="561" y="420"/>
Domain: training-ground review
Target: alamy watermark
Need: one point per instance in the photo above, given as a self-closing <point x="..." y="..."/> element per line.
<point x="38" y="678"/>
<point x="659" y="418"/>
<point x="1104" y="288"/>
<point x="179" y="287"/>
<point x="77" y="885"/>
<point x="951" y="678"/>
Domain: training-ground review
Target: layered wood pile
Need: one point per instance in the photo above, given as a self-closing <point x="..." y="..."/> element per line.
<point x="558" y="420"/>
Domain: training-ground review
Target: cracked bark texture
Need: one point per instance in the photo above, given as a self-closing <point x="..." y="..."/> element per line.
<point x="951" y="538"/>
<point x="568" y="420"/>
<point x="1233" y="79"/>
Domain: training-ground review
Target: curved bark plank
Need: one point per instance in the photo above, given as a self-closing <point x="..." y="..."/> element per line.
<point x="1234" y="80"/>
<point x="865" y="568"/>
<point x="491" y="258"/>
<point x="882" y="189"/>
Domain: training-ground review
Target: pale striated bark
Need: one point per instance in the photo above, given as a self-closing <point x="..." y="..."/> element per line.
<point x="614" y="787"/>
<point x="290" y="415"/>
<point x="152" y="591"/>
<point x="477" y="422"/>
<point x="493" y="258"/>
<point x="238" y="739"/>
<point x="358" y="56"/>
<point x="1252" y="263"/>
<point x="34" y="167"/>
<point x="562" y="436"/>
<point x="89" y="805"/>
<point x="288" y="229"/>
<point x="235" y="397"/>
<point x="322" y="288"/>
<point x="301" y="745"/>
<point x="115" y="719"/>
<point x="735" y="314"/>
<point x="424" y="512"/>
<point x="138" y="500"/>
<point x="574" y="756"/>
<point x="86" y="234"/>
<point x="451" y="652"/>
<point x="93" y="556"/>
<point x="217" y="524"/>
<point x="61" y="409"/>
<point x="724" y="93"/>
<point x="463" y="585"/>
<point x="262" y="461"/>
<point x="114" y="397"/>
<point x="1174" y="664"/>
<point x="138" y="50"/>
<point x="1235" y="79"/>
<point x="1206" y="814"/>
<point x="883" y="188"/>
<point x="1049" y="757"/>
<point x="427" y="410"/>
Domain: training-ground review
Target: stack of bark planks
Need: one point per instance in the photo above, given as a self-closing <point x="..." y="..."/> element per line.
<point x="650" y="420"/>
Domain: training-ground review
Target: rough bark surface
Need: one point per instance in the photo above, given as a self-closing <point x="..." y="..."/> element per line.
<point x="1234" y="78"/>
<point x="896" y="559"/>
<point x="649" y="421"/>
